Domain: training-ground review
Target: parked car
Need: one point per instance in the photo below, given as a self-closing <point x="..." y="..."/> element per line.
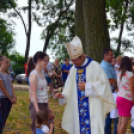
<point x="12" y="75"/>
<point x="20" y="78"/>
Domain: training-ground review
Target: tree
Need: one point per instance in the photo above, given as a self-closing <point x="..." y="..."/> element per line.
<point x="6" y="38"/>
<point x="28" y="28"/>
<point x="95" y="27"/>
<point x="121" y="14"/>
<point x="17" y="61"/>
<point x="6" y="4"/>
<point x="56" y="17"/>
<point x="57" y="21"/>
<point x="6" y="32"/>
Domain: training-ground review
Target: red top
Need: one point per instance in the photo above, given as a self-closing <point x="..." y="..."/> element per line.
<point x="25" y="66"/>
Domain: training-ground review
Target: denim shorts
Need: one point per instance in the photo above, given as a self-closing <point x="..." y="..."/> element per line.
<point x="48" y="80"/>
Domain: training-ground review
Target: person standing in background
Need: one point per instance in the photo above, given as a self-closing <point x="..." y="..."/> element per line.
<point x="125" y="95"/>
<point x="65" y="70"/>
<point x="118" y="64"/>
<point x="26" y="68"/>
<point x="111" y="75"/>
<point x="47" y="71"/>
<point x="7" y="93"/>
<point x="56" y="77"/>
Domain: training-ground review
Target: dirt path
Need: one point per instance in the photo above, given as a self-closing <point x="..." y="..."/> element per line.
<point x="21" y="87"/>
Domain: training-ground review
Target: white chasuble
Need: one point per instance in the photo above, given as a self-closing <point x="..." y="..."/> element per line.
<point x="99" y="105"/>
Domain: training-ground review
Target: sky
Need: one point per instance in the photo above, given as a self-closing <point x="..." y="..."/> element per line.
<point x="36" y="43"/>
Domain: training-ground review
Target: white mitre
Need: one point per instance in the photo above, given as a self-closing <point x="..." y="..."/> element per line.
<point x="74" y="48"/>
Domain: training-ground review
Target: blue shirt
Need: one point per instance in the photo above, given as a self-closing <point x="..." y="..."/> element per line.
<point x="65" y="67"/>
<point x="109" y="70"/>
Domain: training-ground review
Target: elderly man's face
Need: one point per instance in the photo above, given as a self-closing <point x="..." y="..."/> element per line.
<point x="78" y="61"/>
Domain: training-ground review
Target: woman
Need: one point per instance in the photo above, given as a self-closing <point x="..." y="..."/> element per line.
<point x="38" y="87"/>
<point x="56" y="78"/>
<point x="125" y="95"/>
<point x="7" y="94"/>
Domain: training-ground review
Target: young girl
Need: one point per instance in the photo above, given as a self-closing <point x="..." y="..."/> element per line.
<point x="38" y="87"/>
<point x="42" y="123"/>
<point x="7" y="94"/>
<point x="118" y="64"/>
<point x="126" y="93"/>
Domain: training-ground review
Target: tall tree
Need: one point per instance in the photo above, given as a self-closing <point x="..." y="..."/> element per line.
<point x="121" y="15"/>
<point x="58" y="15"/>
<point x="26" y="28"/>
<point x="95" y="27"/>
<point x="6" y="38"/>
<point x="7" y="41"/>
<point x="79" y="22"/>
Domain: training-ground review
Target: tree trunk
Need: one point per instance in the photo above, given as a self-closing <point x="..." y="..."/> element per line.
<point x="95" y="27"/>
<point x="122" y="27"/>
<point x="79" y="22"/>
<point x="28" y="35"/>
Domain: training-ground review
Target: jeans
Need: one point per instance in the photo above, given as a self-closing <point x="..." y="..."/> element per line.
<point x="132" y="128"/>
<point x="5" y="108"/>
<point x="108" y="122"/>
<point x="115" y="125"/>
<point x="27" y="79"/>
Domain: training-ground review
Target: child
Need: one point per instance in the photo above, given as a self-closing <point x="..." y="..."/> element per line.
<point x="132" y="119"/>
<point x="114" y="113"/>
<point x="118" y="63"/>
<point x="42" y="123"/>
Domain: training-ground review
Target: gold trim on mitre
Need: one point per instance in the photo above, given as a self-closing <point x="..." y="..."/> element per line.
<point x="74" y="48"/>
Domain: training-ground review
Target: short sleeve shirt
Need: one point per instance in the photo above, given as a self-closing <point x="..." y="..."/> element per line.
<point x="123" y="85"/>
<point x="6" y="79"/>
<point x="65" y="67"/>
<point x="43" y="130"/>
<point x="109" y="71"/>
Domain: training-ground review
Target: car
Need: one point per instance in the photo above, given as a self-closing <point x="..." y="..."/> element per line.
<point x="21" y="78"/>
<point x="12" y="75"/>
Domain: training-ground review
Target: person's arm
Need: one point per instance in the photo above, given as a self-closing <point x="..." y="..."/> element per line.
<point x="3" y="89"/>
<point x="45" y="69"/>
<point x="51" y="128"/>
<point x="61" y="74"/>
<point x="55" y="73"/>
<point x="66" y="71"/>
<point x="111" y="81"/>
<point x="13" y="91"/>
<point x="33" y="86"/>
<point x="131" y="85"/>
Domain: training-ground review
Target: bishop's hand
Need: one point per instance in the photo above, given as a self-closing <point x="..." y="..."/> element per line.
<point x="81" y="86"/>
<point x="59" y="96"/>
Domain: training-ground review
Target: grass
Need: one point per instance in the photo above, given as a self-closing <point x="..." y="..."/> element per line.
<point x="19" y="120"/>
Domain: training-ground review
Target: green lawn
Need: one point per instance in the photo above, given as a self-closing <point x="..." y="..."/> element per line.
<point x="19" y="119"/>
